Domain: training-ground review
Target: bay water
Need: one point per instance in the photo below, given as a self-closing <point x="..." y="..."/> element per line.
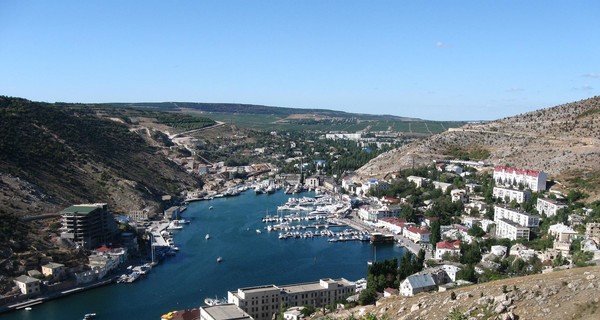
<point x="249" y="259"/>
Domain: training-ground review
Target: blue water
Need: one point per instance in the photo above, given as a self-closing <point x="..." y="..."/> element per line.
<point x="249" y="259"/>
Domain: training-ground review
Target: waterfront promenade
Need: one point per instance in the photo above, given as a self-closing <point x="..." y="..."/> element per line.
<point x="355" y="222"/>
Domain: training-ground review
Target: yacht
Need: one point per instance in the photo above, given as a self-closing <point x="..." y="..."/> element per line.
<point x="215" y="301"/>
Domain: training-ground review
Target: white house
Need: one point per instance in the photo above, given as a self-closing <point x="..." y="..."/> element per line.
<point x="28" y="285"/>
<point x="498" y="251"/>
<point x="418" y="181"/>
<point x="416" y="283"/>
<point x="459" y="195"/>
<point x="417" y="235"/>
<point x="443" y="247"/>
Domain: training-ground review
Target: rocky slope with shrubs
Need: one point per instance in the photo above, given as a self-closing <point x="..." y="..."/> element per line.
<point x="563" y="141"/>
<point x="567" y="294"/>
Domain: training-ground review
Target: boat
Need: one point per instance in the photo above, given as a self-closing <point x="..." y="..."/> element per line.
<point x="89" y="316"/>
<point x="28" y="309"/>
<point x="207" y="236"/>
<point x="174" y="225"/>
<point x="210" y="208"/>
<point x="219" y="259"/>
<point x="215" y="301"/>
<point x="258" y="231"/>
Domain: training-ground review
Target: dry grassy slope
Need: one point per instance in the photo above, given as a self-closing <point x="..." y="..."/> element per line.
<point x="563" y="141"/>
<point x="568" y="294"/>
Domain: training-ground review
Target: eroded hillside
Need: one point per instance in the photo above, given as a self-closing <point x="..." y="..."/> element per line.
<point x="563" y="141"/>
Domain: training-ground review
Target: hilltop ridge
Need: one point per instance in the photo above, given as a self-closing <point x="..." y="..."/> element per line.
<point x="563" y="141"/>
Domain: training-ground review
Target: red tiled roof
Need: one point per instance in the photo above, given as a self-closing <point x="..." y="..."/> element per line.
<point x="390" y="199"/>
<point x="532" y="173"/>
<point x="417" y="230"/>
<point x="448" y="245"/>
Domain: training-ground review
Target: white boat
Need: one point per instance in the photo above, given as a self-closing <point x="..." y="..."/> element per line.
<point x="219" y="259"/>
<point x="210" y="208"/>
<point x="174" y="225"/>
<point x="214" y="302"/>
<point x="28" y="309"/>
<point x="207" y="236"/>
<point x="258" y="231"/>
<point x="89" y="316"/>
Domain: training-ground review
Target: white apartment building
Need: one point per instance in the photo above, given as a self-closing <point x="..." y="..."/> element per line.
<point x="511" y="230"/>
<point x="261" y="303"/>
<point x="522" y="218"/>
<point x="511" y="194"/>
<point x="532" y="179"/>
<point x="369" y="213"/>
<point x="548" y="206"/>
<point x="513" y="224"/>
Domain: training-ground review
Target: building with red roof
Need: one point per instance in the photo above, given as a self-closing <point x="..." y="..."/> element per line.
<point x="532" y="179"/>
<point x="417" y="235"/>
<point x="443" y="247"/>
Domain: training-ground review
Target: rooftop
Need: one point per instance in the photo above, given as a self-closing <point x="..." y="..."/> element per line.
<point x="225" y="311"/>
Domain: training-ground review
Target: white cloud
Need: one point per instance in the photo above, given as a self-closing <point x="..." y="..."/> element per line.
<point x="585" y="87"/>
<point x="591" y="75"/>
<point x="514" y="89"/>
<point x="442" y="45"/>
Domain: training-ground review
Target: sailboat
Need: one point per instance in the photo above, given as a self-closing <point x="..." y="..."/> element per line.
<point x="370" y="263"/>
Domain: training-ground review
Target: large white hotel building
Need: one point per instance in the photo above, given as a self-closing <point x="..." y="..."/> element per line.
<point x="264" y="301"/>
<point x="532" y="179"/>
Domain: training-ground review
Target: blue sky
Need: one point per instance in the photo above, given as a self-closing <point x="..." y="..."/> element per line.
<point x="439" y="60"/>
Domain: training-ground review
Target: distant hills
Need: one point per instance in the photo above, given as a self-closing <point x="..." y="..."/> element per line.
<point x="563" y="141"/>
<point x="298" y="119"/>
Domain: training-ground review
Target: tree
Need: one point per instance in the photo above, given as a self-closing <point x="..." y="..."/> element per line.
<point x="367" y="296"/>
<point x="476" y="231"/>
<point x="436" y="235"/>
<point x="467" y="273"/>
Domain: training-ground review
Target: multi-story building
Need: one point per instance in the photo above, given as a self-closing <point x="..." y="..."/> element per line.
<point x="524" y="219"/>
<point x="548" y="206"/>
<point x="511" y="194"/>
<point x="28" y="285"/>
<point x="88" y="225"/>
<point x="513" y="224"/>
<point x="592" y="230"/>
<point x="223" y="312"/>
<point x="450" y="247"/>
<point x="372" y="214"/>
<point x="532" y="179"/>
<point x="262" y="302"/>
<point x="511" y="230"/>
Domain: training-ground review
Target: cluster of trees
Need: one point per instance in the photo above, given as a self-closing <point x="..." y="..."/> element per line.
<point x="389" y="274"/>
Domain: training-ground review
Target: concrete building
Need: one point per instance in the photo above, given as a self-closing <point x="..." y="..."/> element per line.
<point x="418" y="181"/>
<point x="442" y="185"/>
<point x="522" y="218"/>
<point x="511" y="230"/>
<point x="511" y="194"/>
<point x="223" y="312"/>
<point x="450" y="247"/>
<point x="28" y="285"/>
<point x="88" y="225"/>
<point x="417" y="235"/>
<point x="264" y="301"/>
<point x="54" y="270"/>
<point x="532" y="179"/>
<point x="548" y="206"/>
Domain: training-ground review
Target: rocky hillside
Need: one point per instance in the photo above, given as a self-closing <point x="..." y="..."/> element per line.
<point x="568" y="294"/>
<point x="52" y="156"/>
<point x="563" y="141"/>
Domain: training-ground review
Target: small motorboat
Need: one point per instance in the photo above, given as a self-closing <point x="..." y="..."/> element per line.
<point x="89" y="316"/>
<point x="219" y="259"/>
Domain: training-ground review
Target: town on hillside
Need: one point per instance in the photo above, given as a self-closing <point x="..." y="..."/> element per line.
<point x="462" y="222"/>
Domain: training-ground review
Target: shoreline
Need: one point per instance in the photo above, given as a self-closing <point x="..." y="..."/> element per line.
<point x="55" y="295"/>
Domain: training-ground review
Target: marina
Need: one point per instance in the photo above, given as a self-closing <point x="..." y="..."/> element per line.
<point x="184" y="280"/>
